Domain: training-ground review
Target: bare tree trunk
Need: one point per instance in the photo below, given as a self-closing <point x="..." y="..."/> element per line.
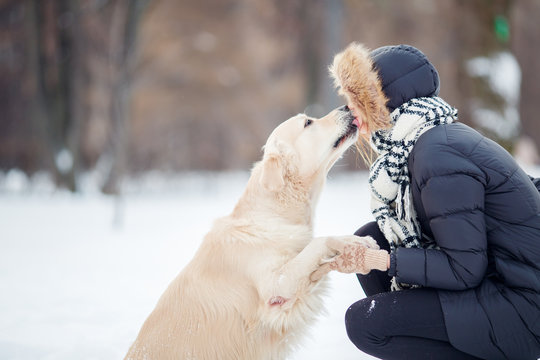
<point x="310" y="19"/>
<point x="77" y="84"/>
<point x="525" y="44"/>
<point x="38" y="111"/>
<point x="333" y="25"/>
<point x="322" y="26"/>
<point x="122" y="59"/>
<point x="53" y="90"/>
<point x="477" y="37"/>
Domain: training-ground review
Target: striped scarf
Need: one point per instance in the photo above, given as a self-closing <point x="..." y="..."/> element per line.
<point x="391" y="198"/>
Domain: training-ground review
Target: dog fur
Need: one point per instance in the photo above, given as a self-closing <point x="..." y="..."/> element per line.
<point x="247" y="293"/>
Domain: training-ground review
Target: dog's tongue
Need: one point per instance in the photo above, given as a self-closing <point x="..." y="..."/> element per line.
<point x="356" y="122"/>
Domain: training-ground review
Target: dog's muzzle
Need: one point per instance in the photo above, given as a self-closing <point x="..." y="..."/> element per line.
<point x="351" y="125"/>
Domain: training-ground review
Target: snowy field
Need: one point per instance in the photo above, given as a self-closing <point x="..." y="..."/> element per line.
<point x="80" y="273"/>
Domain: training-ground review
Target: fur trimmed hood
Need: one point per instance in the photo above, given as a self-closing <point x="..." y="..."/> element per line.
<point x="355" y="78"/>
<point x="378" y="82"/>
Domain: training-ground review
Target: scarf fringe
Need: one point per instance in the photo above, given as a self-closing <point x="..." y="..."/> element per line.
<point x="391" y="201"/>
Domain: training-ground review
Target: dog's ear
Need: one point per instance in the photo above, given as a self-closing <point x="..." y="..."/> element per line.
<point x="272" y="176"/>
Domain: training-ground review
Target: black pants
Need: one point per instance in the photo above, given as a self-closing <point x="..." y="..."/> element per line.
<point x="407" y="324"/>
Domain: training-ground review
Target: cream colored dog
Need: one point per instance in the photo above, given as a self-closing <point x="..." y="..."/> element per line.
<point x="247" y="293"/>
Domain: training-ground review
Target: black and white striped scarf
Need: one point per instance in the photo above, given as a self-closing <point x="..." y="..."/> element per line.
<point x="391" y="198"/>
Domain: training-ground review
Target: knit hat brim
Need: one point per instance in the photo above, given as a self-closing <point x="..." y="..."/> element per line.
<point x="356" y="79"/>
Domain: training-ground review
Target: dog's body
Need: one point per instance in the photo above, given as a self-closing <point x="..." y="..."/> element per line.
<point x="247" y="293"/>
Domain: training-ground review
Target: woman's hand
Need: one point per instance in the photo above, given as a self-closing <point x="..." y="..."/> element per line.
<point x="358" y="256"/>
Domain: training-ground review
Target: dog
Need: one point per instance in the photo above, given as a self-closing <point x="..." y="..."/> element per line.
<point x="249" y="293"/>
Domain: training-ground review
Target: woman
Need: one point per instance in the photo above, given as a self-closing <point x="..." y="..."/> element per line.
<point x="457" y="220"/>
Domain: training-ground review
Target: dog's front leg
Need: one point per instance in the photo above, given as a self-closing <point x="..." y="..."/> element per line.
<point x="293" y="278"/>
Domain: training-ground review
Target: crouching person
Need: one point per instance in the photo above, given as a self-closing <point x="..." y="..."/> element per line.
<point x="457" y="220"/>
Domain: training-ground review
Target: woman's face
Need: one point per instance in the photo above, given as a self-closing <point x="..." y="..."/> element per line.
<point x="363" y="128"/>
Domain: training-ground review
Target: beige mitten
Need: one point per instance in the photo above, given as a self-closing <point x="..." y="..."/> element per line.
<point x="357" y="256"/>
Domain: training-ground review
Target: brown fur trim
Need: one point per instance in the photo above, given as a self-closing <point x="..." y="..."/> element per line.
<point x="355" y="78"/>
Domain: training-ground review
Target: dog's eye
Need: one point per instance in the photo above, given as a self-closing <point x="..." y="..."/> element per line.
<point x="308" y="122"/>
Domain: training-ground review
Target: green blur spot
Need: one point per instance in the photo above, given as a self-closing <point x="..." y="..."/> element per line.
<point x="502" y="28"/>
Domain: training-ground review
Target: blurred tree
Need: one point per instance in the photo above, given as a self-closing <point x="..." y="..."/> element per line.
<point x="482" y="34"/>
<point x="19" y="143"/>
<point x="65" y="44"/>
<point x="53" y="67"/>
<point x="95" y="85"/>
<point x="321" y="39"/>
<point x="126" y="18"/>
<point x="526" y="45"/>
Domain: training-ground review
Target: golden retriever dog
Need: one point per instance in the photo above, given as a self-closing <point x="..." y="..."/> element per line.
<point x="247" y="293"/>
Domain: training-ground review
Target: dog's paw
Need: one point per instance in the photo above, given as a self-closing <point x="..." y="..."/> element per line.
<point x="368" y="241"/>
<point x="338" y="243"/>
<point x="342" y="254"/>
<point x="351" y="254"/>
<point x="322" y="270"/>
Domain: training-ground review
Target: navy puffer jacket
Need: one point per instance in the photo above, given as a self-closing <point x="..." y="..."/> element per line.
<point x="484" y="213"/>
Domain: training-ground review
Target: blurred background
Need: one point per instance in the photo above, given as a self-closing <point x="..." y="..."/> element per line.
<point x="166" y="104"/>
<point x="118" y="88"/>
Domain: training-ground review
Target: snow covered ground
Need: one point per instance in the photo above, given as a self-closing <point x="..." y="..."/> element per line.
<point x="80" y="273"/>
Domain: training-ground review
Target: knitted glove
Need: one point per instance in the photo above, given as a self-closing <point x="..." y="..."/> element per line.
<point x="359" y="259"/>
<point x="358" y="256"/>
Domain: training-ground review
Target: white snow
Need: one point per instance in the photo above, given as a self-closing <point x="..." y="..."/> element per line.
<point x="371" y="306"/>
<point x="74" y="284"/>
<point x="502" y="72"/>
<point x="64" y="161"/>
<point x="503" y="75"/>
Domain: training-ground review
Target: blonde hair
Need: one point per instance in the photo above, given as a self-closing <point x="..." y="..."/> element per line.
<point x="365" y="151"/>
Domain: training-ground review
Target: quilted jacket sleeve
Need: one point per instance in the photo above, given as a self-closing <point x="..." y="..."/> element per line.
<point x="452" y="197"/>
<point x="454" y="206"/>
<point x="536" y="182"/>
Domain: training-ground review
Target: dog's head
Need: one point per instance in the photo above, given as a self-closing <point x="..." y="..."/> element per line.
<point x="304" y="148"/>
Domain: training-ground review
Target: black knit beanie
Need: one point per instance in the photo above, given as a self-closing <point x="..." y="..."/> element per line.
<point x="405" y="73"/>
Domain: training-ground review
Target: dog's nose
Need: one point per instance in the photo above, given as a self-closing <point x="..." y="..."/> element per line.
<point x="344" y="108"/>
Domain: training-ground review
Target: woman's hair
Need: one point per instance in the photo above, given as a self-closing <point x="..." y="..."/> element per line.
<point x="365" y="151"/>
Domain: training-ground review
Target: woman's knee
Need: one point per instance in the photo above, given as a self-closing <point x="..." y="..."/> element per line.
<point x="368" y="229"/>
<point x="362" y="325"/>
